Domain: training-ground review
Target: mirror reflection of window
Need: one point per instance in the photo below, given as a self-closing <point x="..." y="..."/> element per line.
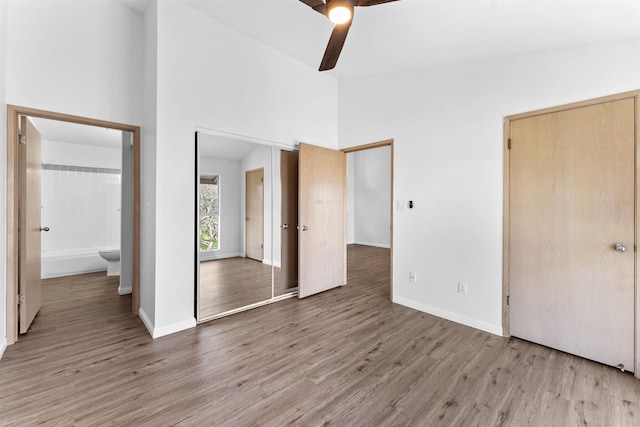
<point x="209" y="212"/>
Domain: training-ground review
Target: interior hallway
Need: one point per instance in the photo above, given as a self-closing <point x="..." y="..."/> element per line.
<point x="346" y="357"/>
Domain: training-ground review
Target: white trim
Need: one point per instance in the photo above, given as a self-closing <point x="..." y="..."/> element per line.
<point x="3" y="346"/>
<point x="454" y="317"/>
<point x="214" y="256"/>
<point x="124" y="291"/>
<point x="174" y="327"/>
<point x="165" y="330"/>
<point x="237" y="136"/>
<point x="145" y="319"/>
<point x="377" y="245"/>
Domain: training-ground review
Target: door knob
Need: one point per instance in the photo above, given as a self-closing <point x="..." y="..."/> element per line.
<point x="303" y="228"/>
<point x="285" y="226"/>
<point x="621" y="247"/>
<point x="44" y="228"/>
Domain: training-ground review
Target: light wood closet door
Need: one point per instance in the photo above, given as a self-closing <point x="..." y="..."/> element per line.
<point x="321" y="211"/>
<point x="30" y="223"/>
<point x="254" y="212"/>
<point x="571" y="202"/>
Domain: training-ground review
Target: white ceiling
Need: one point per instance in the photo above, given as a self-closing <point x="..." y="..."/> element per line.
<point x="416" y="34"/>
<point x="53" y="130"/>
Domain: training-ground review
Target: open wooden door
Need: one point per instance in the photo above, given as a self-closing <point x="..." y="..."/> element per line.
<point x="30" y="226"/>
<point x="254" y="214"/>
<point x="321" y="213"/>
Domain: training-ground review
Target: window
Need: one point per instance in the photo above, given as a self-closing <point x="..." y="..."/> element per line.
<point x="209" y="212"/>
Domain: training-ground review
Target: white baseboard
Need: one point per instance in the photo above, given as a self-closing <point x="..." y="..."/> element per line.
<point x="145" y="319"/>
<point x="209" y="256"/>
<point x="173" y="328"/>
<point x="124" y="291"/>
<point x="3" y="346"/>
<point x="454" y="317"/>
<point x="377" y="245"/>
<point x="165" y="330"/>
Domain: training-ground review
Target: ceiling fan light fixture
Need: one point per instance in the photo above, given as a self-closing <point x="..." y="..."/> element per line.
<point x="340" y="11"/>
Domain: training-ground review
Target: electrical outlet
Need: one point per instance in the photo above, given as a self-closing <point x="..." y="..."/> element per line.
<point x="413" y="277"/>
<point x="462" y="288"/>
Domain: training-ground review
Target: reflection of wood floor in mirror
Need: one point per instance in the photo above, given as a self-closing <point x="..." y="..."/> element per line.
<point x="230" y="283"/>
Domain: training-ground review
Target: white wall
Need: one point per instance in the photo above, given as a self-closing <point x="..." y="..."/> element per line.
<point x="73" y="57"/>
<point x="370" y="196"/>
<point x="230" y="185"/>
<point x="447" y="126"/>
<point x="126" y="215"/>
<point x="3" y="173"/>
<point x="148" y="169"/>
<point x="91" y="52"/>
<point x="82" y="207"/>
<point x="212" y="77"/>
<point x="351" y="173"/>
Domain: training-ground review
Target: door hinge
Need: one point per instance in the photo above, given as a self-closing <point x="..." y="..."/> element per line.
<point x="261" y="246"/>
<point x="509" y="143"/>
<point x="23" y="139"/>
<point x="508" y="296"/>
<point x="20" y="299"/>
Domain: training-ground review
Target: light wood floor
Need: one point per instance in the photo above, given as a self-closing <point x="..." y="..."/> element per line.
<point x="231" y="283"/>
<point x="347" y="357"/>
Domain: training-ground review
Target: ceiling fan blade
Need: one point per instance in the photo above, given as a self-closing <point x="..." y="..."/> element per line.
<point x="372" y="2"/>
<point x="336" y="41"/>
<point x="317" y="5"/>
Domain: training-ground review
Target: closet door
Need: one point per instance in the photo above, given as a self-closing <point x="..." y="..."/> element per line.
<point x="572" y="242"/>
<point x="321" y="211"/>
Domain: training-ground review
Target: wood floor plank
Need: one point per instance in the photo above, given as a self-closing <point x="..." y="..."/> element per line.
<point x="344" y="357"/>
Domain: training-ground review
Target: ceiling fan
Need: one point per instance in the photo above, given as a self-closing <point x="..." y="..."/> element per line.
<point x="339" y="12"/>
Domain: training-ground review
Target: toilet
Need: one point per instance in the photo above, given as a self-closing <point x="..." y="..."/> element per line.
<point x="112" y="256"/>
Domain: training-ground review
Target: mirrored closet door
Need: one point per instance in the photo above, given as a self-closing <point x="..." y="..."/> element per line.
<point x="242" y="233"/>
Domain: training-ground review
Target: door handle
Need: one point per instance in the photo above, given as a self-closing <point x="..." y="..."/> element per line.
<point x="285" y="226"/>
<point x="44" y="228"/>
<point x="303" y="228"/>
<point x="621" y="247"/>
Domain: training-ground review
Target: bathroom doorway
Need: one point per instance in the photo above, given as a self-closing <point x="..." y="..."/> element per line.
<point x="130" y="135"/>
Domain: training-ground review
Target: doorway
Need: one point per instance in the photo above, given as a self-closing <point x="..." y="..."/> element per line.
<point x="570" y="238"/>
<point x="370" y="203"/>
<point x="15" y="262"/>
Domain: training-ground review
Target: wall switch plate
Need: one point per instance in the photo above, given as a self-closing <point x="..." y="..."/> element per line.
<point x="462" y="288"/>
<point x="413" y="277"/>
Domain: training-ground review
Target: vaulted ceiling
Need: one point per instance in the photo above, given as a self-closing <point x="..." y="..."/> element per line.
<point x="416" y="34"/>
